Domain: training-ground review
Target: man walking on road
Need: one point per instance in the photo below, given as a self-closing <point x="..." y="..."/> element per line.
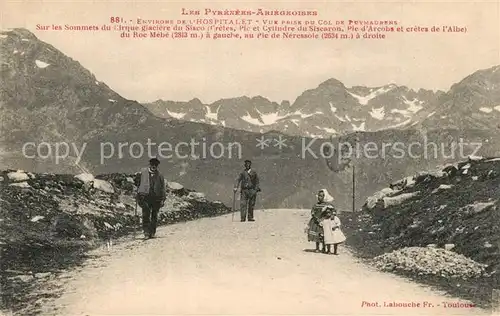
<point x="248" y="181"/>
<point x="150" y="196"/>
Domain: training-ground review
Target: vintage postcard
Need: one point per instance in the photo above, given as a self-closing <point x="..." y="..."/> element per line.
<point x="249" y="158"/>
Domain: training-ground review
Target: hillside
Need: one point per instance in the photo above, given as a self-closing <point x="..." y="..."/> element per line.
<point x="422" y="226"/>
<point x="49" y="222"/>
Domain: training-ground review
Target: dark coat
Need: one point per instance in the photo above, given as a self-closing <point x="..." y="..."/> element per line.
<point x="248" y="180"/>
<point x="156" y="188"/>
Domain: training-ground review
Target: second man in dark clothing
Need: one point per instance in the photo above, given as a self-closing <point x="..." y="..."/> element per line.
<point x="248" y="182"/>
<point x="151" y="196"/>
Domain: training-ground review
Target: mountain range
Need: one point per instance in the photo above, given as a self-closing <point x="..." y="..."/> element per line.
<point x="333" y="109"/>
<point x="47" y="98"/>
<point x="328" y="110"/>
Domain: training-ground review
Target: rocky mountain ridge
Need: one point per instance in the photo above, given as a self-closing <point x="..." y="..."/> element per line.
<point x="328" y="110"/>
<point x="333" y="109"/>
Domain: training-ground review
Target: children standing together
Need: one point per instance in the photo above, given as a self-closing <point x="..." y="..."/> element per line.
<point x="324" y="226"/>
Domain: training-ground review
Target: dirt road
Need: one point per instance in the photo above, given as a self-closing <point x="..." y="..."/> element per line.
<point x="216" y="266"/>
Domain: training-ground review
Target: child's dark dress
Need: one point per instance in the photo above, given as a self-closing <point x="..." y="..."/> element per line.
<point x="314" y="230"/>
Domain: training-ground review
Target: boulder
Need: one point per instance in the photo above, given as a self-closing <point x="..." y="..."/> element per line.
<point x="103" y="185"/>
<point x="477" y="207"/>
<point x="35" y="219"/>
<point x="398" y="199"/>
<point x="196" y="196"/>
<point x="177" y="189"/>
<point x="430" y="261"/>
<point x="21" y="184"/>
<point x="449" y="246"/>
<point x="85" y="177"/>
<point x="371" y="201"/>
<point x="487" y="245"/>
<point x="17" y="176"/>
<point x="444" y="187"/>
<point x="174" y="186"/>
<point x="433" y="173"/>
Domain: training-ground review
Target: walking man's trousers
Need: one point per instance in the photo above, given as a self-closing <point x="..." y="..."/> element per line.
<point x="247" y="203"/>
<point x="150" y="208"/>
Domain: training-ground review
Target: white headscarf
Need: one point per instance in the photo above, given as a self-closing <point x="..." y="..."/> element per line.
<point x="328" y="197"/>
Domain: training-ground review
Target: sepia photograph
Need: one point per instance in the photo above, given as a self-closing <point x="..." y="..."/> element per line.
<point x="249" y="158"/>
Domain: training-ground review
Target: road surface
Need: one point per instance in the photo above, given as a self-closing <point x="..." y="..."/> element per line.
<point x="217" y="266"/>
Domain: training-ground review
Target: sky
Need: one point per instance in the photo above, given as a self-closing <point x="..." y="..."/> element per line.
<point x="149" y="69"/>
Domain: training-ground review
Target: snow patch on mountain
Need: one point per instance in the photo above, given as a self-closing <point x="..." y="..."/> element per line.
<point x="486" y="110"/>
<point x="497" y="108"/>
<point x="378" y="114"/>
<point x="431" y="114"/>
<point x="332" y="108"/>
<point x="274" y="117"/>
<point x="315" y="136"/>
<point x="252" y="120"/>
<point x="327" y="129"/>
<point x="211" y="115"/>
<point x="401" y="124"/>
<point x="361" y="127"/>
<point x="302" y="115"/>
<point x="402" y="112"/>
<point x="266" y="119"/>
<point x="41" y="64"/>
<point x="412" y="105"/>
<point x="363" y="100"/>
<point x="340" y="118"/>
<point x="177" y="115"/>
<point x="111" y="100"/>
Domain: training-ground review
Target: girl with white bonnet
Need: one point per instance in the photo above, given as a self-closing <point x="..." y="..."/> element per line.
<point x="313" y="229"/>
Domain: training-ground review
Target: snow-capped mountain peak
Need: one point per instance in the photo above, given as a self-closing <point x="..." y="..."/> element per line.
<point x="331" y="107"/>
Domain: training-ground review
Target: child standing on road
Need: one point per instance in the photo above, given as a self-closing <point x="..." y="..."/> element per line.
<point x="313" y="229"/>
<point x="332" y="233"/>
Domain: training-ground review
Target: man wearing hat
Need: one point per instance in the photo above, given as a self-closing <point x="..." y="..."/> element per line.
<point x="151" y="196"/>
<point x="248" y="181"/>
